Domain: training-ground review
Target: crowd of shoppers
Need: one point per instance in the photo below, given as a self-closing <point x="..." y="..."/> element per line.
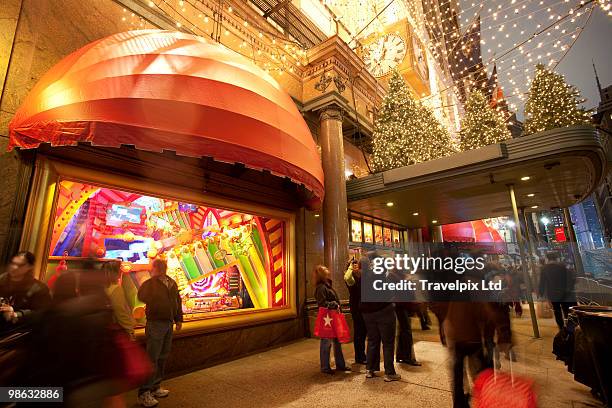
<point x="69" y="333"/>
<point x="70" y="336"/>
<point x="471" y="330"/>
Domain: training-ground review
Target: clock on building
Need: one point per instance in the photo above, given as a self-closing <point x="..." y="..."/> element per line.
<point x="398" y="49"/>
<point x="384" y="54"/>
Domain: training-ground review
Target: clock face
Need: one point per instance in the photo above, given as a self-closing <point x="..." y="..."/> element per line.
<point x="385" y="54"/>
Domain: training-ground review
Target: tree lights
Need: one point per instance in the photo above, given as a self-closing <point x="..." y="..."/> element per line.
<point x="405" y="131"/>
<point x="481" y="124"/>
<point x="552" y="103"/>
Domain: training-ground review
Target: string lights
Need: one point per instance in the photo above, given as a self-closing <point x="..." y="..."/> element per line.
<point x="553" y="103"/>
<point x="405" y="131"/>
<point x="481" y="125"/>
<point x="266" y="47"/>
<point x="516" y="35"/>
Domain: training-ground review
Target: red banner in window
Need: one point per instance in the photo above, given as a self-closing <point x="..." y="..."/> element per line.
<point x="560" y="234"/>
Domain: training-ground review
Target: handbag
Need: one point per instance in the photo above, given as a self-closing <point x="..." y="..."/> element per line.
<point x="494" y="389"/>
<point x="331" y="324"/>
<point x="134" y="363"/>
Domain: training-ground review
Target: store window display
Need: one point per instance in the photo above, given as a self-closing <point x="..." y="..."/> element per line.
<point x="223" y="260"/>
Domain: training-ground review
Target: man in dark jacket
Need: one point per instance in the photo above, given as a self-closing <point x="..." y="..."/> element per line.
<point x="352" y="278"/>
<point x="163" y="310"/>
<point x="22" y="295"/>
<point x="557" y="285"/>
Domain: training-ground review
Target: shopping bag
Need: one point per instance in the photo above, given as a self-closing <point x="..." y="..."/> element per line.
<point x="494" y="389"/>
<point x="135" y="366"/>
<point x="331" y="324"/>
<point x="324" y="325"/>
<point x="343" y="333"/>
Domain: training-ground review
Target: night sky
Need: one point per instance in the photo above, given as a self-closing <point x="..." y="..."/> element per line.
<point x="594" y="43"/>
<point x="514" y="16"/>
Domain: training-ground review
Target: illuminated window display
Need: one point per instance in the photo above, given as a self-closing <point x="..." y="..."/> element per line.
<point x="396" y="239"/>
<point x="222" y="260"/>
<point x="387" y="235"/>
<point x="378" y="235"/>
<point x="356" y="235"/>
<point x="367" y="233"/>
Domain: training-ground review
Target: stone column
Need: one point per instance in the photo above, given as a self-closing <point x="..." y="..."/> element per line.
<point x="335" y="217"/>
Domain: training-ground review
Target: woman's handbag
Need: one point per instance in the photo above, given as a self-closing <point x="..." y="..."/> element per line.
<point x="135" y="366"/>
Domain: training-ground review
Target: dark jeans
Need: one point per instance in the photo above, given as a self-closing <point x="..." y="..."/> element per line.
<point x="324" y="353"/>
<point x="159" y="342"/>
<point x="460" y="352"/>
<point x="424" y="316"/>
<point x="561" y="311"/>
<point x="381" y="328"/>
<point x="405" y="347"/>
<point x="359" y="336"/>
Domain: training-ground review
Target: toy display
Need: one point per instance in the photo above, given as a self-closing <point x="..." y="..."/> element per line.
<point x="221" y="259"/>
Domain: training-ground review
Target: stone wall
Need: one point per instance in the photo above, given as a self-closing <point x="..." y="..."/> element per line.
<point x="34" y="36"/>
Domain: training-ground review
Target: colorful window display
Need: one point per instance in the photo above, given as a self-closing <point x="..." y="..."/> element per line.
<point x="367" y="233"/>
<point x="396" y="239"/>
<point x="222" y="260"/>
<point x="387" y="236"/>
<point x="378" y="235"/>
<point x="356" y="235"/>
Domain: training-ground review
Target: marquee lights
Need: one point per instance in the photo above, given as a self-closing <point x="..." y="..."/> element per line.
<point x="504" y="20"/>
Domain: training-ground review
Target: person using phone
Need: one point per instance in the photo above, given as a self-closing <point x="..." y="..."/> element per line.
<point x="23" y="294"/>
<point x="352" y="278"/>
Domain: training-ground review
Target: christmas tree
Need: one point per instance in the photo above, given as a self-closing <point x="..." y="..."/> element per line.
<point x="406" y="132"/>
<point x="481" y="125"/>
<point x="552" y="103"/>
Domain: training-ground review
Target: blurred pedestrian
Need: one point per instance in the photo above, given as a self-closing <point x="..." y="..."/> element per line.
<point x="328" y="298"/>
<point x="74" y="345"/>
<point x="121" y="311"/>
<point x="557" y="284"/>
<point x="464" y="326"/>
<point x="21" y="295"/>
<point x="405" y="346"/>
<point x="352" y="278"/>
<point x="423" y="316"/>
<point x="163" y="311"/>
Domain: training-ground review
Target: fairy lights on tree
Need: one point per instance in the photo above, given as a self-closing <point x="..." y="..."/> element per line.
<point x="481" y="125"/>
<point x="405" y="131"/>
<point x="552" y="103"/>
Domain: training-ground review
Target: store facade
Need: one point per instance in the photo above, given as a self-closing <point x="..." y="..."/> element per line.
<point x="158" y="144"/>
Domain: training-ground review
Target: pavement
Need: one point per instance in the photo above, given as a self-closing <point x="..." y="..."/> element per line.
<point x="288" y="376"/>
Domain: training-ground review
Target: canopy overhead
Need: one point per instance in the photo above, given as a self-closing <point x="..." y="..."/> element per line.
<point x="162" y="90"/>
<point x="553" y="169"/>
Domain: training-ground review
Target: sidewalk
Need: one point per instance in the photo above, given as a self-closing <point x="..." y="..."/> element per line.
<point x="288" y="376"/>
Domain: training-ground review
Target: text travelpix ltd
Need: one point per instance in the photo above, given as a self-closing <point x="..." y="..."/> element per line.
<point x="412" y="265"/>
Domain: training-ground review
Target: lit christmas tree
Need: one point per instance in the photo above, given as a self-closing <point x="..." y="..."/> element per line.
<point x="406" y="132"/>
<point x="552" y="103"/>
<point x="481" y="125"/>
